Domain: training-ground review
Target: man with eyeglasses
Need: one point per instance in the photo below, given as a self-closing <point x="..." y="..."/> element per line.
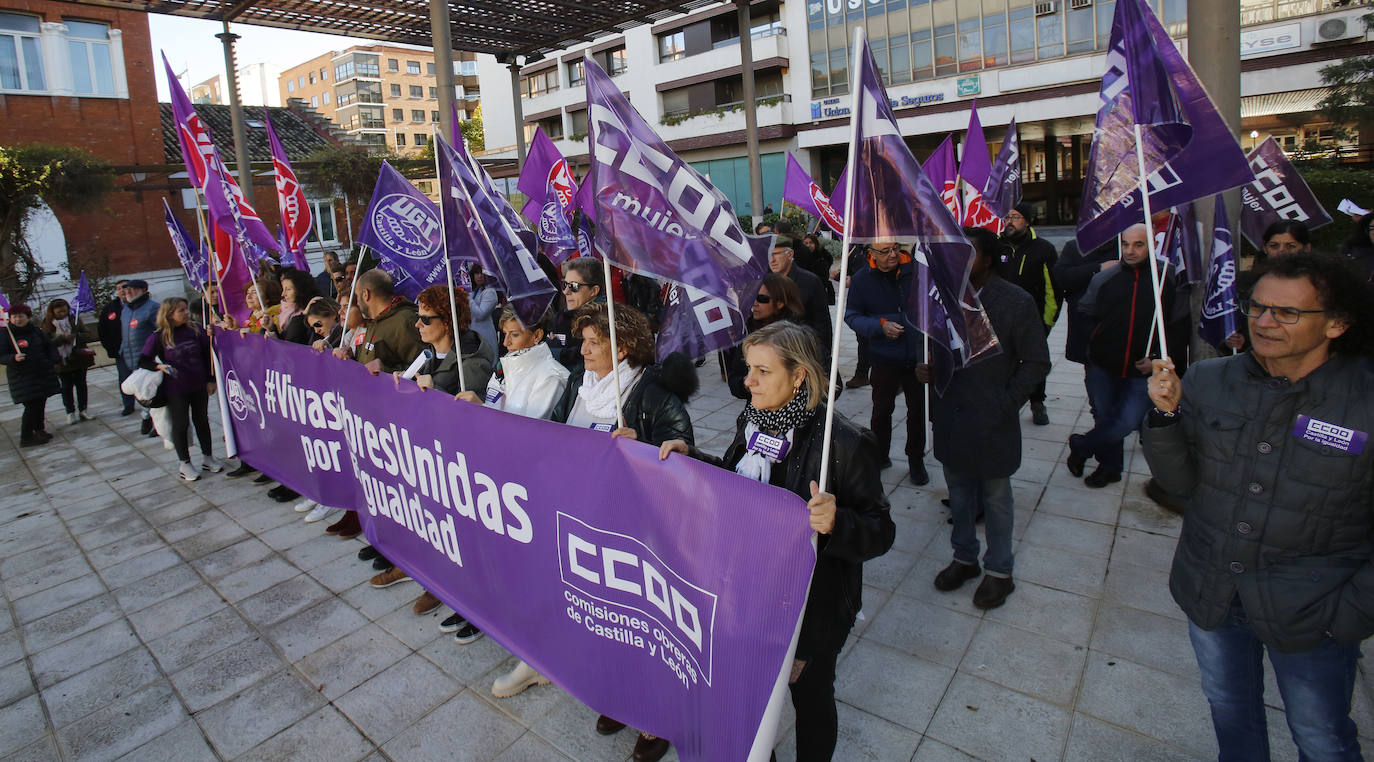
<point x="875" y="309"/>
<point x="1029" y="264"/>
<point x="1271" y="448"/>
<point x="110" y="331"/>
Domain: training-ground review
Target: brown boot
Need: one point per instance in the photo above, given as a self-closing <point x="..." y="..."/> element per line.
<point x="347" y="527"/>
<point x="425" y="603"/>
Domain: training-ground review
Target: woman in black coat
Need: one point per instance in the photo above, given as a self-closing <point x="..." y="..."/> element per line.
<point x="787" y="388"/>
<point x="297" y="289"/>
<point x="778" y="299"/>
<point x="31" y="368"/>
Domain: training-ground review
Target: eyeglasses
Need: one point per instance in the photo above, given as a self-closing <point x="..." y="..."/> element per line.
<point x="1015" y="216"/>
<point x="763" y="299"/>
<point x="893" y="249"/>
<point x="340" y="279"/>
<point x="427" y="319"/>
<point x="1285" y="315"/>
<point x="573" y="286"/>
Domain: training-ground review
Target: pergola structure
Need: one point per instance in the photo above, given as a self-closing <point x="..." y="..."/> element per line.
<point x="509" y="29"/>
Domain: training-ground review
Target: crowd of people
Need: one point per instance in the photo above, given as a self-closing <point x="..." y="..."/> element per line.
<point x="1276" y="547"/>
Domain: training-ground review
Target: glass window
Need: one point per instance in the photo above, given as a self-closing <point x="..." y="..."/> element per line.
<point x="677" y="102"/>
<point x="1079" y="25"/>
<point x="300" y="81"/>
<point x="325" y="97"/>
<point x="314" y="101"/>
<point x="421" y="138"/>
<point x="393" y="65"/>
<point x="1174" y="14"/>
<point x="400" y="138"/>
<point x="970" y="45"/>
<point x="417" y="91"/>
<point x="671" y="46"/>
<point x="395" y="91"/>
<point x="434" y="93"/>
<point x="820" y="74"/>
<point x="312" y="77"/>
<point x="88" y="48"/>
<point x="434" y="116"/>
<point x="429" y="69"/>
<point x="575" y="74"/>
<point x="417" y="115"/>
<point x="618" y="62"/>
<point x="898" y="49"/>
<point x="324" y="74"/>
<point x="839" y="72"/>
<point x="412" y="67"/>
<point x="1105" y="9"/>
<point x="21" y="60"/>
<point x="290" y="85"/>
<point x="879" y="50"/>
<point x="1050" y="28"/>
<point x="579" y="123"/>
<point x="922" y="55"/>
<point x="398" y="115"/>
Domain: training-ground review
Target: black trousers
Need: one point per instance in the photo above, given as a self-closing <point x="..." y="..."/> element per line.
<point x="861" y="365"/>
<point x="32" y="420"/>
<point x="73" y="390"/>
<point x="887" y="381"/>
<point x="813" y="698"/>
<point x="1037" y="394"/>
<point x="185" y="411"/>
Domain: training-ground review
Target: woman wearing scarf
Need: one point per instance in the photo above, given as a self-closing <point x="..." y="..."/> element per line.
<point x="778" y="441"/>
<point x="654" y="399"/>
<point x="63" y="329"/>
<point x="297" y="289"/>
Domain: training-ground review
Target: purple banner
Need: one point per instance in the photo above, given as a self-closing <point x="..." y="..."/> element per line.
<point x="801" y="190"/>
<point x="942" y="169"/>
<point x="83" y="301"/>
<point x="1278" y="193"/>
<point x="673" y="617"/>
<point x="1003" y="190"/>
<point x="1189" y="151"/>
<point x="1220" y="308"/>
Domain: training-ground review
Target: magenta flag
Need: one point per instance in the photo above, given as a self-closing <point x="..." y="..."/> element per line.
<point x="943" y="172"/>
<point x="801" y="190"/>
<point x="974" y="171"/>
<point x="544" y="166"/>
<point x="295" y="212"/>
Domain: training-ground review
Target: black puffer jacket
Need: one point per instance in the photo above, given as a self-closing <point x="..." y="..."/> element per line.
<point x="863" y="527"/>
<point x="1284" y="522"/>
<point x="657" y="406"/>
<point x="1073" y="271"/>
<point x="1121" y="304"/>
<point x="36" y="377"/>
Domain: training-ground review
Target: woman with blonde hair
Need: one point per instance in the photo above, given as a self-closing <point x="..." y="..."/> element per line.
<point x="180" y="350"/>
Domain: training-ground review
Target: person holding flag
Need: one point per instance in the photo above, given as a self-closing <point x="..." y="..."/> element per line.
<point x="29" y="359"/>
<point x="1029" y="263"/>
<point x="63" y="328"/>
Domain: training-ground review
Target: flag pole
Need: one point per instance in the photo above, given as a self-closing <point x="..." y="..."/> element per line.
<point x="348" y="303"/>
<point x="210" y="247"/>
<point x="348" y="226"/>
<point x="615" y="359"/>
<point x="1150" y="240"/>
<point x="448" y="268"/>
<point x="10" y="330"/>
<point x="842" y="290"/>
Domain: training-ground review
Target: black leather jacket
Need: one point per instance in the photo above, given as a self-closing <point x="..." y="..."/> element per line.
<point x="657" y="406"/>
<point x="863" y="527"/>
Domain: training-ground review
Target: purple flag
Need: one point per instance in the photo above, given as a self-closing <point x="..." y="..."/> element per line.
<point x="588" y="568"/>
<point x="556" y="236"/>
<point x="545" y="167"/>
<point x="1189" y="242"/>
<point x="696" y="323"/>
<point x="895" y="201"/>
<point x="1003" y="189"/>
<point x="83" y="301"/>
<point x="974" y="170"/>
<point x="1278" y="193"/>
<point x="801" y="190"/>
<point x="657" y="216"/>
<point x="1189" y="151"/>
<point x="296" y="218"/>
<point x="402" y="226"/>
<point x="479" y="232"/>
<point x="1220" y="308"/>
<point x="194" y="260"/>
<point x="942" y="169"/>
<point x="4" y="310"/>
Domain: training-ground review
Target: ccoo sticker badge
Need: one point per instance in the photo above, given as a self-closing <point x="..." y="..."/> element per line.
<point x="1330" y="434"/>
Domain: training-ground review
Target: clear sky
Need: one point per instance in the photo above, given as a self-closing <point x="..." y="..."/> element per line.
<point x="191" y="47"/>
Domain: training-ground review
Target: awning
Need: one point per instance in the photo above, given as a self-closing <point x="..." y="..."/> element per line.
<point x="1292" y="102"/>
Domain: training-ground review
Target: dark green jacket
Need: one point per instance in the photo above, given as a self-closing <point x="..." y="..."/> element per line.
<point x="392" y="338"/>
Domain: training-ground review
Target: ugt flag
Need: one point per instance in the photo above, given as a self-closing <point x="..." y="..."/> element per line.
<point x="402" y="226"/>
<point x="295" y="212"/>
<point x="1278" y="193"/>
<point x="801" y="190"/>
<point x="194" y="261"/>
<point x="895" y="201"/>
<point x="656" y="215"/>
<point x="83" y="301"/>
<point x="1003" y="189"/>
<point x="974" y="171"/>
<point x="206" y="169"/>
<point x="1189" y="151"/>
<point x="1220" y="308"/>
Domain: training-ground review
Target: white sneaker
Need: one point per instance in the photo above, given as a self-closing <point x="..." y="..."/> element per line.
<point x="318" y="514"/>
<point x="73" y="418"/>
<point x="188" y="472"/>
<point x="208" y="463"/>
<point x="517" y="680"/>
<point x="83" y="415"/>
<point x="305" y="505"/>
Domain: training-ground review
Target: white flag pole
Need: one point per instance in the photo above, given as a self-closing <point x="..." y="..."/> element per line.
<point x="1150" y="240"/>
<point x="842" y="290"/>
<point x="615" y="359"/>
<point x="448" y="268"/>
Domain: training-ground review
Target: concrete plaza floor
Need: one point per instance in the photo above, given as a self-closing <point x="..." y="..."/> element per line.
<point x="145" y="618"/>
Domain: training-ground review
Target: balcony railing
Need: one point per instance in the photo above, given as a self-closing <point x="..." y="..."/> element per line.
<point x="678" y="116"/>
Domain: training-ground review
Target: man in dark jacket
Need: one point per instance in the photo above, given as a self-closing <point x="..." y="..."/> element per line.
<point x="391" y="340"/>
<point x="876" y="310"/>
<point x="977" y="429"/>
<point x="1120" y="302"/>
<point x="1030" y="264"/>
<point x="812" y="293"/>
<point x="108" y="328"/>
<point x="138" y="320"/>
<point x="1272" y="449"/>
<point x="325" y="280"/>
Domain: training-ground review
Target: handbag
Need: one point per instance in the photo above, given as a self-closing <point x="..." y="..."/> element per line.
<point x="145" y="386"/>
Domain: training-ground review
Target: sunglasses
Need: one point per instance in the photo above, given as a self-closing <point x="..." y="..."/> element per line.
<point x="574" y="286"/>
<point x="317" y="324"/>
<point x="427" y="319"/>
<point x="340" y="279"/>
<point x="763" y="299"/>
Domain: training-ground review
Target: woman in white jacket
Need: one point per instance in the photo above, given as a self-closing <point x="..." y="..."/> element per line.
<point x="527" y="381"/>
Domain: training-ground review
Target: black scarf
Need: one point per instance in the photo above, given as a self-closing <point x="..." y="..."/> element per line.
<point x="793" y="415"/>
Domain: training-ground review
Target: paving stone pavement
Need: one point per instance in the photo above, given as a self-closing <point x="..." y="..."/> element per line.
<point x="147" y="619"/>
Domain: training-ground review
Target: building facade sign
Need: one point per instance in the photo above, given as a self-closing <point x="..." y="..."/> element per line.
<point x="829" y="108"/>
<point x="1270" y="39"/>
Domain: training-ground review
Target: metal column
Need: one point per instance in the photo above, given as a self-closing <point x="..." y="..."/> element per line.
<point x="751" y="118"/>
<point x="236" y="112"/>
<point x="439" y="30"/>
<point x="519" y="113"/>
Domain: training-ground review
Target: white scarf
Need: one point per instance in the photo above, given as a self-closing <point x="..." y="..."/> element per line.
<point x="755" y="465"/>
<point x="598" y="393"/>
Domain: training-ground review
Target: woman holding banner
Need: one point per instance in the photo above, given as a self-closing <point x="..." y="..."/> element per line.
<point x="297" y="289"/>
<point x="180" y="350"/>
<point x="778" y="440"/>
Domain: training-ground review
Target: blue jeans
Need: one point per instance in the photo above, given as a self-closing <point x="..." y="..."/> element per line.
<point x="969" y="494"/>
<point x="1118" y="405"/>
<point x="1316" y="687"/>
<point x="124" y="372"/>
